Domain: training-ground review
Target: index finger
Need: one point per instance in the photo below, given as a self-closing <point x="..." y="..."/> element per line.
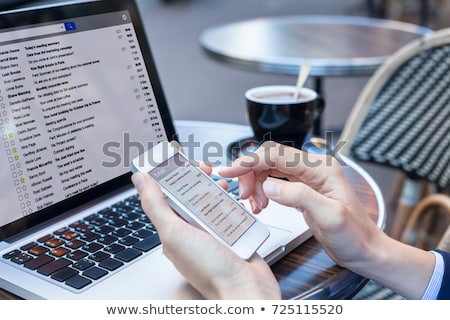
<point x="279" y="159"/>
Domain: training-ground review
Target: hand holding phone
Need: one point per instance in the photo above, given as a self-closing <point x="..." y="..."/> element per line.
<point x="200" y="200"/>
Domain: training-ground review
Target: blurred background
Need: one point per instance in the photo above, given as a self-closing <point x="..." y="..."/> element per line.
<point x="198" y="88"/>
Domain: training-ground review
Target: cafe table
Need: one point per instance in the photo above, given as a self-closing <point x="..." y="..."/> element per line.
<point x="336" y="46"/>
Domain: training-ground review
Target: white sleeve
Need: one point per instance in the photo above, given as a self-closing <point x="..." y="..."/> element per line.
<point x="435" y="283"/>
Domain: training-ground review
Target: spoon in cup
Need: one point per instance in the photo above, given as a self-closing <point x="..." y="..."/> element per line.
<point x="302" y="76"/>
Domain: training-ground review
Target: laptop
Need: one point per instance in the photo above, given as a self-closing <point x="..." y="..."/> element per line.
<point x="79" y="99"/>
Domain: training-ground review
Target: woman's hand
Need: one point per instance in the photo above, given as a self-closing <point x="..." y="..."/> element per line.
<point x="317" y="187"/>
<point x="213" y="269"/>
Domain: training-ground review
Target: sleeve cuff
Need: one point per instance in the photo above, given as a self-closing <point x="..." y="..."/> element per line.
<point x="435" y="283"/>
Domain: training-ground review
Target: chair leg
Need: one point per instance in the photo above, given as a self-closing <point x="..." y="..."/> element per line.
<point x="442" y="11"/>
<point x="395" y="9"/>
<point x="393" y="201"/>
<point x="401" y="215"/>
<point x="409" y="197"/>
<point x="397" y="191"/>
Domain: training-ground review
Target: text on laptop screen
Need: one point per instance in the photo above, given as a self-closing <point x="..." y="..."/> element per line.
<point x="69" y="93"/>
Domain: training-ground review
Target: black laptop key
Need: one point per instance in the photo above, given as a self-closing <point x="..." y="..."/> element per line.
<point x="90" y="236"/>
<point x="124" y="208"/>
<point x="54" y="242"/>
<point x="111" y="264"/>
<point x="107" y="239"/>
<point x="99" y="256"/>
<point x="38" y="262"/>
<point x="91" y="217"/>
<point x="135" y="225"/>
<point x="77" y="255"/>
<point x="109" y="213"/>
<point x="143" y="233"/>
<point x="122" y="232"/>
<point x="45" y="238"/>
<point x="78" y="282"/>
<point x="75" y="244"/>
<point x="92" y="247"/>
<point x="128" y="241"/>
<point x="11" y="254"/>
<point x="98" y="221"/>
<point x="28" y="246"/>
<point x="21" y="258"/>
<point x="64" y="274"/>
<point x="83" y="264"/>
<point x="38" y="250"/>
<point x="148" y="243"/>
<point x="53" y="266"/>
<point x="118" y="222"/>
<point x="70" y="235"/>
<point x="61" y="231"/>
<point x="59" y="252"/>
<point x="114" y="248"/>
<point x="131" y="216"/>
<point x="95" y="273"/>
<point x="128" y="254"/>
<point x="104" y="229"/>
<point x="84" y="228"/>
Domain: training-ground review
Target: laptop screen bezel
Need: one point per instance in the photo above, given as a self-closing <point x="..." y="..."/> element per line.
<point x="38" y="15"/>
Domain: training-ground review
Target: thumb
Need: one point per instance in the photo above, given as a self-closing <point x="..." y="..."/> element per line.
<point x="297" y="195"/>
<point x="153" y="201"/>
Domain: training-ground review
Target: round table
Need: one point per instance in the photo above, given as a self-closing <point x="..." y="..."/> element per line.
<point x="334" y="45"/>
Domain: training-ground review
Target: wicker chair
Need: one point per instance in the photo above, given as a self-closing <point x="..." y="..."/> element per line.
<point x="402" y="120"/>
<point x="420" y="231"/>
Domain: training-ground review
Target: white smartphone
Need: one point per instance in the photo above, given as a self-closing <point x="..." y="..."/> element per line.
<point x="200" y="200"/>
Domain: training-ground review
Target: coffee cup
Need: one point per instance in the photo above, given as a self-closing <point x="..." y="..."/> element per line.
<point x="275" y="114"/>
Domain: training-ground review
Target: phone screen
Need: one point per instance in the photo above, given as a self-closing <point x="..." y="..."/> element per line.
<point x="203" y="197"/>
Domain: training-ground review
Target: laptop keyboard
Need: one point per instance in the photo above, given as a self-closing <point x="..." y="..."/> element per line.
<point x="89" y="249"/>
<point x="84" y="252"/>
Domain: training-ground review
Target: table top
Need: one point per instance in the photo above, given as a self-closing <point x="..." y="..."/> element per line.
<point x="335" y="45"/>
<point x="306" y="272"/>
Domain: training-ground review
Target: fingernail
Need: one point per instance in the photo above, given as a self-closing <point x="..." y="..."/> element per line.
<point x="272" y="188"/>
<point x="241" y="193"/>
<point x="258" y="201"/>
<point x="254" y="206"/>
<point x="139" y="181"/>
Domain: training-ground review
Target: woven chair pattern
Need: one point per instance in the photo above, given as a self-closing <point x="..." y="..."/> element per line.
<point x="408" y="124"/>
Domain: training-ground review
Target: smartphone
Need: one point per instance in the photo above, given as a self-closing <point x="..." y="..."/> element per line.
<point x="200" y="200"/>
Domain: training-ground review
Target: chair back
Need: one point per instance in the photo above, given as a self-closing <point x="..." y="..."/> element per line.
<point x="402" y="117"/>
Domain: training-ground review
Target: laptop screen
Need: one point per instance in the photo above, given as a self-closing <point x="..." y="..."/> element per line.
<point x="79" y="98"/>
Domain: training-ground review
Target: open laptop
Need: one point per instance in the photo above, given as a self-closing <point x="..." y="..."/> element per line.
<point x="79" y="98"/>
